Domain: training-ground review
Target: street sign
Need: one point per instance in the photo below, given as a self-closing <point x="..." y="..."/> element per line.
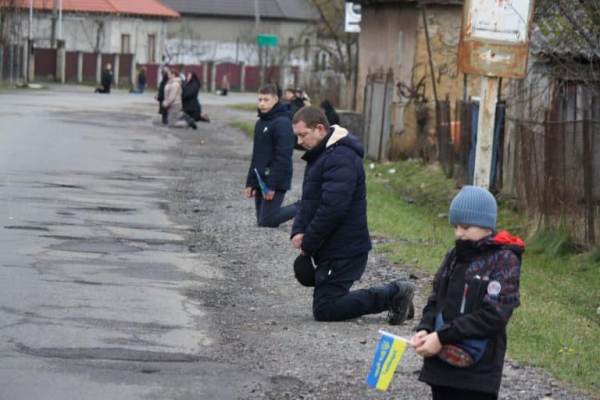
<point x="353" y="17"/>
<point x="494" y="38"/>
<point x="267" y="40"/>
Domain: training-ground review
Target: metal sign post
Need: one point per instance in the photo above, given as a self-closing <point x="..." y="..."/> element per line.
<point x="494" y="43"/>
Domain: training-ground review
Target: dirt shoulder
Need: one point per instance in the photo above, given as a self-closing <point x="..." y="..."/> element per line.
<point x="263" y="316"/>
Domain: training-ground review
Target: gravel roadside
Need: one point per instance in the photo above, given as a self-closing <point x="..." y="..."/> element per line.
<point x="263" y="315"/>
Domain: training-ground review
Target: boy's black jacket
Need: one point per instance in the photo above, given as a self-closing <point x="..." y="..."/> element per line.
<point x="274" y="142"/>
<point x="497" y="259"/>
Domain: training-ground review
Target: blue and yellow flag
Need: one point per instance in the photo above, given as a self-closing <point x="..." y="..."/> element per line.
<point x="388" y="354"/>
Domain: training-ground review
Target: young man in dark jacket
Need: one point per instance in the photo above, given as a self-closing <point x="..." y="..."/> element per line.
<point x="272" y="158"/>
<point x="331" y="225"/>
<point x="474" y="294"/>
<point x="107" y="77"/>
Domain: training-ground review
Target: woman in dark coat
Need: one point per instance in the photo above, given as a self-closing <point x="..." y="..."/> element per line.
<point x="189" y="97"/>
<point x="160" y="97"/>
<point x="330" y="113"/>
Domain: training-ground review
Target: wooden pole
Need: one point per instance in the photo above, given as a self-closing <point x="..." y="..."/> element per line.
<point x="485" y="131"/>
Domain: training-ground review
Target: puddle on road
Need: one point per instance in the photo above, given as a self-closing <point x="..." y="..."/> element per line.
<point x="27" y="228"/>
<point x="95" y="246"/>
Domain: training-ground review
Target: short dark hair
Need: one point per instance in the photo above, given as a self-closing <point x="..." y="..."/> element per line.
<point x="269" y="88"/>
<point x="311" y="116"/>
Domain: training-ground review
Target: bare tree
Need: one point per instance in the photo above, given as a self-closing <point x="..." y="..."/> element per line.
<point x="331" y="27"/>
<point x="94" y="33"/>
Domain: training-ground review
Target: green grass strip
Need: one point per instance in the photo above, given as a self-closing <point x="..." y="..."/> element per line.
<point x="245" y="106"/>
<point x="246" y="127"/>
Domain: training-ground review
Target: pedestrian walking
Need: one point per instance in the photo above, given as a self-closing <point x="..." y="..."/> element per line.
<point x="141" y="81"/>
<point x="462" y="334"/>
<point x="331" y="225"/>
<point x="107" y="77"/>
<point x="271" y="159"/>
<point x="172" y="102"/>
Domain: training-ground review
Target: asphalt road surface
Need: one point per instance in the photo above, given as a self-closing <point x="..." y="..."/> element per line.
<point x="131" y="267"/>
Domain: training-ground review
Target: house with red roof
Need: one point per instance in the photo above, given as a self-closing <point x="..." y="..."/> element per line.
<point x="135" y="27"/>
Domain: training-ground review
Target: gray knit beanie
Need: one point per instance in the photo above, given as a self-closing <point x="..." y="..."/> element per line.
<point x="474" y="206"/>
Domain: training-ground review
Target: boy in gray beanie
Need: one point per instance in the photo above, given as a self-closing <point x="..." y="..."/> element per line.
<point x="462" y="334"/>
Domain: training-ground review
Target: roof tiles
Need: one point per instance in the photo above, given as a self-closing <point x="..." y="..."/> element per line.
<point x="275" y="9"/>
<point x="149" y="8"/>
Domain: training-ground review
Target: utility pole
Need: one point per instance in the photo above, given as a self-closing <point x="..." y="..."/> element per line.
<point x="60" y="6"/>
<point x="260" y="48"/>
<point x="53" y="28"/>
<point x="485" y="131"/>
<point x="29" y="43"/>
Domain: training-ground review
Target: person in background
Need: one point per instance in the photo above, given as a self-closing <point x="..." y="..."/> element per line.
<point x="462" y="334"/>
<point x="107" y="77"/>
<point x="160" y="96"/>
<point x="172" y="102"/>
<point x="272" y="159"/>
<point x="141" y="82"/>
<point x="294" y="101"/>
<point x="189" y="97"/>
<point x="332" y="116"/>
<point x="331" y="225"/>
<point x="225" y="85"/>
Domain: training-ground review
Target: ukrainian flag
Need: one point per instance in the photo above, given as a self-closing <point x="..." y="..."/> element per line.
<point x="388" y="354"/>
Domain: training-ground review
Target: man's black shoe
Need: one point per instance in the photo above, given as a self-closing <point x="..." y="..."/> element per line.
<point x="401" y="306"/>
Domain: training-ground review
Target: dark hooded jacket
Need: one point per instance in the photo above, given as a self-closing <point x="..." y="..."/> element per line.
<point x="481" y="265"/>
<point x="332" y="116"/>
<point x="274" y="142"/>
<point x="189" y="98"/>
<point x="333" y="211"/>
<point x="107" y="78"/>
<point x="161" y="93"/>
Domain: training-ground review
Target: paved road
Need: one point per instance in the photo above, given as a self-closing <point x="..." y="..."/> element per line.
<point x="131" y="267"/>
<point x="92" y="272"/>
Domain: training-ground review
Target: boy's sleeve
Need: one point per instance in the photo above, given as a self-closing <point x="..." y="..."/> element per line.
<point x="284" y="140"/>
<point x="429" y="312"/>
<point x="496" y="310"/>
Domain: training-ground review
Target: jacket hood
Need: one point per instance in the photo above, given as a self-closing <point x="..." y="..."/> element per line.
<point x="341" y="136"/>
<point x="326" y="105"/>
<point x="279" y="109"/>
<point x="504" y="241"/>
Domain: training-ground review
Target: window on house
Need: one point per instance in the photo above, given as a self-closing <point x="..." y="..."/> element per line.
<point x="306" y="48"/>
<point x="151" y="48"/>
<point x="125" y="44"/>
<point x="323" y="61"/>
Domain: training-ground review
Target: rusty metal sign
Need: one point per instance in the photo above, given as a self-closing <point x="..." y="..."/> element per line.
<point x="494" y="38"/>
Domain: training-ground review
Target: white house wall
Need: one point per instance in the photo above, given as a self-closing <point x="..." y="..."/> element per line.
<point x="80" y="31"/>
<point x="193" y="40"/>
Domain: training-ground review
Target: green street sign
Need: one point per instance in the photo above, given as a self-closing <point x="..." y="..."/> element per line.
<point x="267" y="40"/>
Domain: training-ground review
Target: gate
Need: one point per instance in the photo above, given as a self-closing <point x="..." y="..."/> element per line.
<point x="377" y="125"/>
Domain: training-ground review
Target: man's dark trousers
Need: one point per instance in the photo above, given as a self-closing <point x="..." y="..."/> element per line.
<point x="332" y="299"/>
<point x="269" y="213"/>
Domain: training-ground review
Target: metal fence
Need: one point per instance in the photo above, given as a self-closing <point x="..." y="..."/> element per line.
<point x="12" y="58"/>
<point x="376" y="129"/>
<point x="558" y="163"/>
